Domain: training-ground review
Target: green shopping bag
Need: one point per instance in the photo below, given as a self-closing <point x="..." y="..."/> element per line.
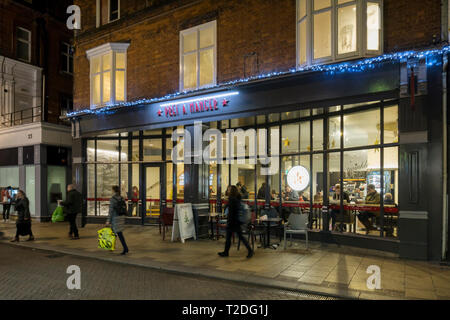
<point x="106" y="239"/>
<point x="58" y="215"/>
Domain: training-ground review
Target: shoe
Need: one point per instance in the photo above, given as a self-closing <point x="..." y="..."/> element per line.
<point x="124" y="252"/>
<point x="223" y="254"/>
<point x="75" y="238"/>
<point x="30" y="238"/>
<point x="250" y="254"/>
<point x="15" y="240"/>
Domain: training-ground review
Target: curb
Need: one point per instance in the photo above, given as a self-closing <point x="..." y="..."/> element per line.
<point x="236" y="278"/>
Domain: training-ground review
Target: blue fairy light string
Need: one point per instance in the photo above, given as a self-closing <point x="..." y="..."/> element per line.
<point x="350" y="67"/>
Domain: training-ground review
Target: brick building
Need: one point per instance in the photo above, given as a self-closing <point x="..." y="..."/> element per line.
<point x="36" y="84"/>
<point x="333" y="76"/>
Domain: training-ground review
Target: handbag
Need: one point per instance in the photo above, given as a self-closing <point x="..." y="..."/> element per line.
<point x="58" y="215"/>
<point x="106" y="239"/>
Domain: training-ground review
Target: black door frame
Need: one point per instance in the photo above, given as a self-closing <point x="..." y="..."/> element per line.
<point x="143" y="186"/>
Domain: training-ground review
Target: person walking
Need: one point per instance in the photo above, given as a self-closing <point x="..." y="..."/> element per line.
<point x="233" y="223"/>
<point x="73" y="206"/>
<point x="23" y="223"/>
<point x="117" y="215"/>
<point x="6" y="200"/>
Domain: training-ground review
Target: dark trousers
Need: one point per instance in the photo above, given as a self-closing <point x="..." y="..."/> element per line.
<point x="73" y="225"/>
<point x="122" y="241"/>
<point x="364" y="217"/>
<point x="238" y="231"/>
<point x="23" y="229"/>
<point x="6" y="209"/>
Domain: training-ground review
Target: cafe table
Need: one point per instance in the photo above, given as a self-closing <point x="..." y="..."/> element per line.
<point x="268" y="222"/>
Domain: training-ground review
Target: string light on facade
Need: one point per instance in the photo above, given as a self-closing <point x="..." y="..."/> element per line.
<point x="345" y="67"/>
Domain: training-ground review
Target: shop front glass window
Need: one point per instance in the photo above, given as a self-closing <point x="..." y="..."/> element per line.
<point x="318" y="135"/>
<point x="391" y="124"/>
<point x="334" y="129"/>
<point x="316" y="219"/>
<point x="152" y="150"/>
<point x="362" y="129"/>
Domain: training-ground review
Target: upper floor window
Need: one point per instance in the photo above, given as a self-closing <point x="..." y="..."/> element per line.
<point x="66" y="58"/>
<point x="23" y="44"/>
<point x="198" y="47"/>
<point x="336" y="30"/>
<point x="108" y="64"/>
<point x="113" y="10"/>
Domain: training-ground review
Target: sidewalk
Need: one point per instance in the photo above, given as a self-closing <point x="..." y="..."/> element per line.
<point x="324" y="269"/>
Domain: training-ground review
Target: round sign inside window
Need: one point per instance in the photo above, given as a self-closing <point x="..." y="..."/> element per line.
<point x="298" y="178"/>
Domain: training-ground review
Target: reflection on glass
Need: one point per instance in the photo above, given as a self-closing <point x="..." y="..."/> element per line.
<point x="245" y="174"/>
<point x="152" y="150"/>
<point x="206" y="67"/>
<point x="391" y="124"/>
<point x="322" y="35"/>
<point x="190" y="71"/>
<point x="318" y="135"/>
<point x="295" y="114"/>
<point x="347" y="29"/>
<point x="373" y="26"/>
<point x="334" y="129"/>
<point x="291" y="138"/>
<point x="362" y="129"/>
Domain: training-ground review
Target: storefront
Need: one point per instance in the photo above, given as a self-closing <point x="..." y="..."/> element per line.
<point x="353" y="129"/>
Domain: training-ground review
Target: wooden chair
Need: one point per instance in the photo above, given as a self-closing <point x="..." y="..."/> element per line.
<point x="166" y="220"/>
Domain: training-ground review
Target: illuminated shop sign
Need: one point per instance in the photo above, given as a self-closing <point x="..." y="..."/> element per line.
<point x="298" y="178"/>
<point x="195" y="105"/>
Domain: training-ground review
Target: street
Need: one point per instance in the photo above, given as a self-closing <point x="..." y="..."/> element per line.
<point x="28" y="274"/>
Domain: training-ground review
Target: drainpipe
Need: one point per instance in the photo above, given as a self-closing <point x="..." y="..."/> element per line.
<point x="444" y="159"/>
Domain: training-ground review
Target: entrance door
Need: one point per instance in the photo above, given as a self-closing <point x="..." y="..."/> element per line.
<point x="154" y="192"/>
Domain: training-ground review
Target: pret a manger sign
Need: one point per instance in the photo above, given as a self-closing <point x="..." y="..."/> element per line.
<point x="209" y="103"/>
<point x="298" y="178"/>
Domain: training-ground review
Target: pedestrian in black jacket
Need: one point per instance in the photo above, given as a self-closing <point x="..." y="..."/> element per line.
<point x="73" y="205"/>
<point x="23" y="223"/>
<point x="233" y="223"/>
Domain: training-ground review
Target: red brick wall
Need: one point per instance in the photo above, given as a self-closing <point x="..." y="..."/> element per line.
<point x="13" y="15"/>
<point x="244" y="27"/>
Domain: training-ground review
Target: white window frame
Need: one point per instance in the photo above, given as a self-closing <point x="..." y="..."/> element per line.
<point x="109" y="11"/>
<point x="361" y="36"/>
<point x="99" y="52"/>
<point x="197" y="29"/>
<point x="26" y="41"/>
<point x="67" y="55"/>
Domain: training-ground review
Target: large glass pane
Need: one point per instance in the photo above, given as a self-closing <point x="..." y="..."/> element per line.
<point x="347" y="29"/>
<point x="318" y="135"/>
<point x="225" y="177"/>
<point x="291" y="138"/>
<point x="169" y="185"/>
<point x="295" y="114"/>
<point x="107" y="177"/>
<point x="316" y="220"/>
<point x="135" y="195"/>
<point x="305" y="136"/>
<point x="212" y="186"/>
<point x="322" y="35"/>
<point x="321" y="4"/>
<point x="302" y="39"/>
<point x="120" y="85"/>
<point x="190" y="42"/>
<point x="301" y="8"/>
<point x="391" y="124"/>
<point x="153" y="185"/>
<point x="206" y="67"/>
<point x="56" y="186"/>
<point x="91" y="189"/>
<point x="108" y="151"/>
<point x="180" y="182"/>
<point x="90" y="151"/>
<point x="334" y="129"/>
<point x="30" y="187"/>
<point x="152" y="150"/>
<point x="361" y="171"/>
<point x="373" y="26"/>
<point x="333" y="178"/>
<point x="22" y="34"/>
<point x="245" y="175"/>
<point x="391" y="192"/>
<point x="9" y="177"/>
<point x="107" y="61"/>
<point x="206" y="37"/>
<point x="362" y="129"/>
<point x="96" y="89"/>
<point x="106" y="87"/>
<point x="95" y="65"/>
<point x="23" y="52"/>
<point x="120" y="60"/>
<point x="190" y="71"/>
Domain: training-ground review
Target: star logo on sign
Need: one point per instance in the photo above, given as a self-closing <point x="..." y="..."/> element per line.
<point x="225" y="102"/>
<point x="159" y="112"/>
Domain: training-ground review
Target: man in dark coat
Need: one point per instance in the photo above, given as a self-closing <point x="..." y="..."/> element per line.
<point x="72" y="206"/>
